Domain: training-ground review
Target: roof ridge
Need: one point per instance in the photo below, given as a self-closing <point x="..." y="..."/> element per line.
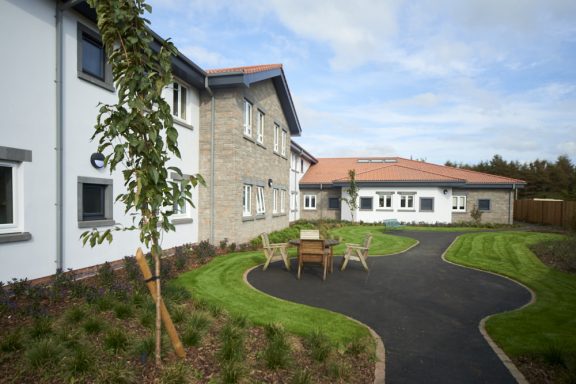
<point x="471" y="171"/>
<point x="405" y="167"/>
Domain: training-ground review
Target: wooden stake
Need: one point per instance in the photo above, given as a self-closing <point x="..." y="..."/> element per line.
<point x="166" y="319"/>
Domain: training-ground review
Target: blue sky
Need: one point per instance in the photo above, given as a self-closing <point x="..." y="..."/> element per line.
<point x="430" y="79"/>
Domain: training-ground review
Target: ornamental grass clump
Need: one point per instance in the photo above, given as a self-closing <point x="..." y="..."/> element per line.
<point x="277" y="352"/>
<point x="319" y="345"/>
<point x="231" y="344"/>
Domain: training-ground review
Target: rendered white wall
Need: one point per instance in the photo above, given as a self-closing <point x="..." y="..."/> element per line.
<point x="442" y="206"/>
<point x="296" y="174"/>
<point x="28" y="121"/>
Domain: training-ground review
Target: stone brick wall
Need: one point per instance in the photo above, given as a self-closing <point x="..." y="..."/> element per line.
<point x="239" y="159"/>
<point x="322" y="212"/>
<point x="501" y="205"/>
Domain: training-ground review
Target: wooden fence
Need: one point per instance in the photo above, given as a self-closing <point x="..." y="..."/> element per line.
<point x="556" y="213"/>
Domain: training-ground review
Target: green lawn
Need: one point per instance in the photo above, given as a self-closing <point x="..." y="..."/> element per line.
<point x="435" y="228"/>
<point x="221" y="283"/>
<point x="547" y="324"/>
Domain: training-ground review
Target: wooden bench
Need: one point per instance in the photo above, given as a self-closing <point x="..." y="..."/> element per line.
<point x="391" y="223"/>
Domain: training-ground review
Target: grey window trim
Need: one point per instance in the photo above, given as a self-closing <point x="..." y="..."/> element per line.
<point x="426" y="210"/>
<point x="386" y="193"/>
<point x="406" y="193"/>
<point x="183" y="124"/>
<point x="15" y="154"/>
<point x="371" y="203"/>
<point x="252" y="181"/>
<point x="183" y="220"/>
<point x="339" y="202"/>
<point x="14" y="237"/>
<point x="108" y="203"/>
<point x="108" y="83"/>
<point x="489" y="205"/>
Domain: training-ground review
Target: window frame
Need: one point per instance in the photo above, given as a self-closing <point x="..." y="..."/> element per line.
<point x="260" y="201"/>
<point x="260" y="125"/>
<point x="177" y="216"/>
<point x="275" y="200"/>
<point x="309" y="202"/>
<point x="276" y="137"/>
<point x="108" y="218"/>
<point x="366" y="198"/>
<point x="282" y="201"/>
<point x="485" y="209"/>
<point x="182" y="92"/>
<point x="386" y="198"/>
<point x="283" y="143"/>
<point x="13" y="226"/>
<point x="458" y="205"/>
<point x="426" y="198"/>
<point x="84" y="33"/>
<point x="247" y="200"/>
<point x="248" y="111"/>
<point x="407" y="200"/>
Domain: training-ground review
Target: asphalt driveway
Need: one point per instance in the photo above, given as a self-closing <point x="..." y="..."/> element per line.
<point x="426" y="311"/>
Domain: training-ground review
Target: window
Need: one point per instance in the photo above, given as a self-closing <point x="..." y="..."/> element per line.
<point x="366" y="203"/>
<point x="92" y="63"/>
<point x="483" y="204"/>
<point x="260" y="127"/>
<point x="247" y="118"/>
<point x="384" y="200"/>
<point x="8" y="195"/>
<point x="276" y="137"/>
<point x="333" y="203"/>
<point x="459" y="203"/>
<point x="94" y="202"/>
<point x="427" y="204"/>
<point x="283" y="149"/>
<point x="282" y="201"/>
<point x="275" y="200"/>
<point x="260" y="205"/>
<point x="179" y="100"/>
<point x="302" y="165"/>
<point x="309" y="201"/>
<point x="247" y="200"/>
<point x="407" y="201"/>
<point x="294" y="201"/>
<point x="181" y="213"/>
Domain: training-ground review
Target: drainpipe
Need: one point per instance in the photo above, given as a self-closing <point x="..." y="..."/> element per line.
<point x="510" y="206"/>
<point x="59" y="136"/>
<point x="212" y="158"/>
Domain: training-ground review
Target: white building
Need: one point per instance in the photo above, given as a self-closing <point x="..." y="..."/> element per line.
<point x="53" y="76"/>
<point x="300" y="161"/>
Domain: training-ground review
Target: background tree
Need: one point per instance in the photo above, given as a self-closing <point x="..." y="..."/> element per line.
<point x="137" y="132"/>
<point x="352" y="192"/>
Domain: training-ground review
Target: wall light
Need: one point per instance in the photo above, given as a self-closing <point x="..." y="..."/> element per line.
<point x="97" y="160"/>
<point x="270" y="182"/>
<point x="445" y="191"/>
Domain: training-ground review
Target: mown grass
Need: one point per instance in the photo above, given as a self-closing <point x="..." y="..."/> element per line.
<point x="549" y="322"/>
<point x="221" y="283"/>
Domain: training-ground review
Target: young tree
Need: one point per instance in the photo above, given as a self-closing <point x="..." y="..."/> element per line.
<point x="137" y="132"/>
<point x="352" y="192"/>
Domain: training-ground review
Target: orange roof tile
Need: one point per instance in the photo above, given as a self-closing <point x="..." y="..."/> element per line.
<point x="395" y="169"/>
<point x="246" y="70"/>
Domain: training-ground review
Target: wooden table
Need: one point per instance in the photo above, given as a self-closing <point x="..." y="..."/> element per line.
<point x="329" y="243"/>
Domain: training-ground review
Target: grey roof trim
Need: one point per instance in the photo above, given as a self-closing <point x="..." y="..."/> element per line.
<point x="404" y="183"/>
<point x="235" y="79"/>
<point x="318" y="186"/>
<point x="494" y="186"/>
<point x="295" y="147"/>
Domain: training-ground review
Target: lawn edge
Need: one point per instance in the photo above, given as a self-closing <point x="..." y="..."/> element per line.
<point x="380" y="366"/>
<point x="504" y="358"/>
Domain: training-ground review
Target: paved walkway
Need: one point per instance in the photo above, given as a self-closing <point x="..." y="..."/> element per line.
<point x="426" y="311"/>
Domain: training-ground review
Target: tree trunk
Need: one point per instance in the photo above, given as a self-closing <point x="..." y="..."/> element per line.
<point x="158" y="305"/>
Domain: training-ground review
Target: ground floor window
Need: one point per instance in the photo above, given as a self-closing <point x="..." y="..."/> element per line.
<point x="483" y="204"/>
<point x="282" y="201"/>
<point x="333" y="203"/>
<point x="366" y="203"/>
<point x="309" y="201"/>
<point x="407" y="201"/>
<point x="247" y="200"/>
<point x="8" y="196"/>
<point x="95" y="199"/>
<point x="459" y="203"/>
<point x="426" y="204"/>
<point x="385" y="201"/>
<point x="260" y="203"/>
<point x="275" y="200"/>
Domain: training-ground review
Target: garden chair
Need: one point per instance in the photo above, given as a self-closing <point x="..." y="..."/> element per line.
<point x="310" y="234"/>
<point x="314" y="251"/>
<point x="357" y="252"/>
<point x="274" y="251"/>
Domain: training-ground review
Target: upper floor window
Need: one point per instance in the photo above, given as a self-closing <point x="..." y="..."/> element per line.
<point x="283" y="148"/>
<point x="179" y="100"/>
<point x="309" y="201"/>
<point x="260" y="127"/>
<point x="247" y="200"/>
<point x="459" y="203"/>
<point x="247" y="118"/>
<point x="260" y="203"/>
<point x="92" y="63"/>
<point x="276" y="137"/>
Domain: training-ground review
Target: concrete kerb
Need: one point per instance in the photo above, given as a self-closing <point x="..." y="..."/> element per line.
<point x="514" y="371"/>
<point x="380" y="367"/>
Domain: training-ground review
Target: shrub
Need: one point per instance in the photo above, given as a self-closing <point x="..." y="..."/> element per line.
<point x="75" y="314"/>
<point x="43" y="353"/>
<point x="359" y="346"/>
<point x="178" y="314"/>
<point x="117" y="373"/>
<point x="176" y="293"/>
<point x="175" y="374"/>
<point x="302" y="376"/>
<point x="80" y="361"/>
<point x="277" y="352"/>
<point x="231" y="373"/>
<point x="232" y="344"/>
<point x="204" y="250"/>
<point x="181" y="255"/>
<point x="12" y="342"/>
<point x="132" y="269"/>
<point x="41" y="327"/>
<point x="199" y="321"/>
<point x="319" y="345"/>
<point x="20" y="287"/>
<point x="123" y="311"/>
<point x="116" y="340"/>
<point x="144" y="348"/>
<point x="93" y="325"/>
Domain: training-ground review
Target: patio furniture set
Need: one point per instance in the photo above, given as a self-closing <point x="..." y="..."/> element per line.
<point x="314" y="250"/>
